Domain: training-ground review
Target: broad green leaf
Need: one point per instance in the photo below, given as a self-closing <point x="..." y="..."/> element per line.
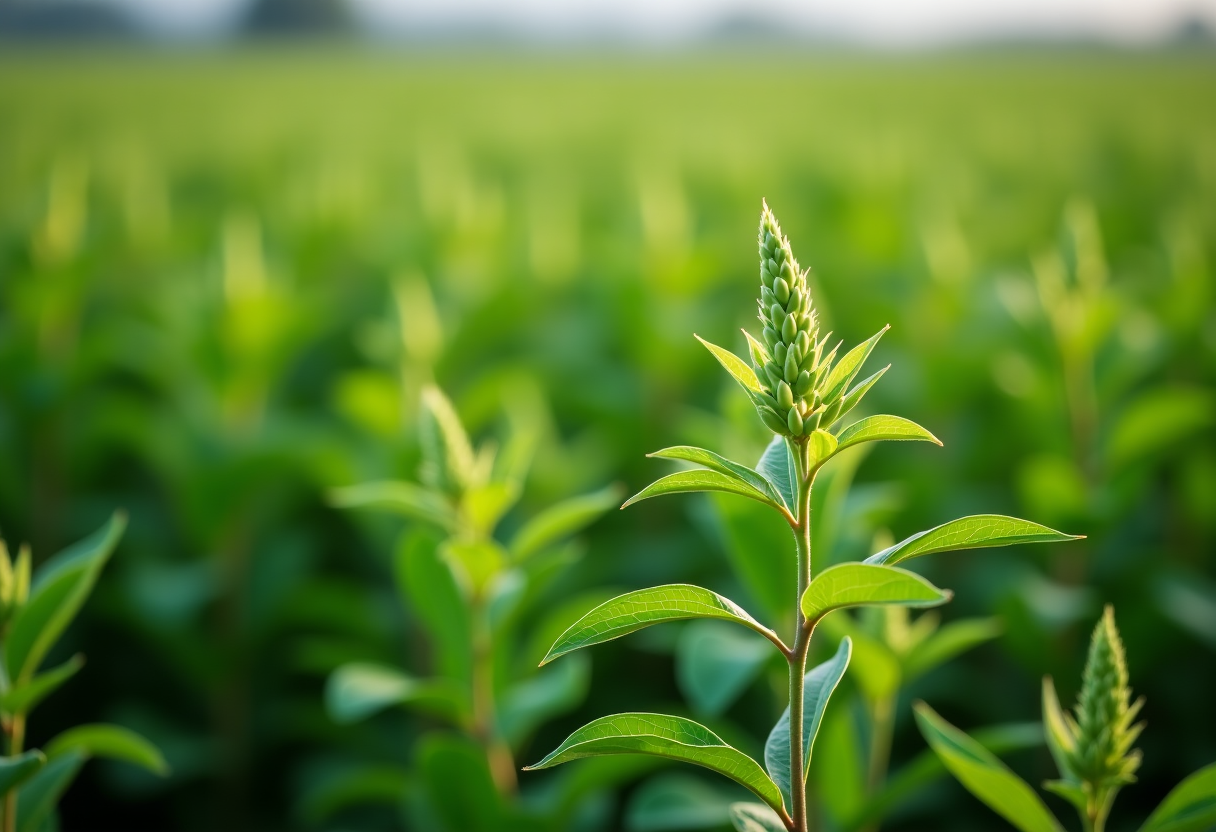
<point x="873" y="428"/>
<point x="823" y="445"/>
<point x="817" y="689"/>
<point x="715" y="662"/>
<point x="405" y="498"/>
<point x="864" y="584"/>
<point x="846" y="368"/>
<point x="111" y="741"/>
<point x="755" y="817"/>
<point x="16" y="770"/>
<point x="734" y="365"/>
<point x="678" y="800"/>
<point x="1190" y="807"/>
<point x="430" y="591"/>
<point x="684" y="482"/>
<point x="854" y="396"/>
<point x="984" y="775"/>
<point x="562" y="520"/>
<point x="358" y="690"/>
<point x="447" y="455"/>
<point x="951" y="640"/>
<point x="548" y="693"/>
<point x="1061" y="740"/>
<point x="632" y="611"/>
<point x="926" y="768"/>
<point x="59" y="591"/>
<point x="979" y="531"/>
<point x="777" y="466"/>
<point x="37" y="797"/>
<point x="722" y="465"/>
<point x="22" y="698"/>
<point x="671" y="737"/>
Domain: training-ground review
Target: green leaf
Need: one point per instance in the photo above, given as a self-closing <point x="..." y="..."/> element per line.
<point x="722" y="465"/>
<point x="358" y="690"/>
<point x="755" y="817"/>
<point x="777" y="466"/>
<point x="22" y="698"/>
<point x="677" y="800"/>
<point x="823" y="445"/>
<point x="684" y="482"/>
<point x="951" y="640"/>
<point x="1190" y="807"/>
<point x="484" y="505"/>
<point x="1158" y="419"/>
<point x="447" y="455"/>
<point x="548" y="693"/>
<point x="864" y="584"/>
<point x="817" y="689"/>
<point x="846" y="368"/>
<point x="475" y="563"/>
<point x="979" y="531"/>
<point x="734" y="365"/>
<point x="715" y="662"/>
<point x="58" y="594"/>
<point x="562" y="520"/>
<point x="37" y="797"/>
<point x="1061" y="740"/>
<point x="984" y="775"/>
<point x="429" y="589"/>
<point x="854" y="396"/>
<point x="16" y="770"/>
<point x="873" y="428"/>
<point x="632" y="611"/>
<point x="110" y="741"/>
<point x="404" y="498"/>
<point x="670" y="737"/>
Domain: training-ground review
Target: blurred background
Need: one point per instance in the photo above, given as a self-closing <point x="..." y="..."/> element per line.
<point x="236" y="238"/>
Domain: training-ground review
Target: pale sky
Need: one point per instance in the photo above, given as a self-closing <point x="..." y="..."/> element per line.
<point x="881" y="22"/>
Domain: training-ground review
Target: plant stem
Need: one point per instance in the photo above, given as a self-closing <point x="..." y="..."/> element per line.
<point x="16" y="739"/>
<point x="485" y="720"/>
<point x="802" y="638"/>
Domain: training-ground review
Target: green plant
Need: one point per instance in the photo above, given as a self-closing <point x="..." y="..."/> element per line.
<point x="801" y="393"/>
<point x="473" y="594"/>
<point x="33" y="615"/>
<point x="1092" y="749"/>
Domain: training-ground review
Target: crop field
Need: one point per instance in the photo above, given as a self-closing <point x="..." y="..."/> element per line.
<point x="227" y="279"/>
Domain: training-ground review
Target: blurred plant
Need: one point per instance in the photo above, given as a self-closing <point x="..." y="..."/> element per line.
<point x="472" y="593"/>
<point x="32" y="618"/>
<point x="1092" y="750"/>
<point x="799" y="394"/>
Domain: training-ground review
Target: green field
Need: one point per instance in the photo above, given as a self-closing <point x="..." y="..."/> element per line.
<point x="225" y="276"/>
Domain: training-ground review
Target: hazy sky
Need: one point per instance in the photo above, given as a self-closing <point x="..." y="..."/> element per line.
<point x="897" y="22"/>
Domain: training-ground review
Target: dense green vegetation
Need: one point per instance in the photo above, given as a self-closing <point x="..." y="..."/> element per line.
<point x="226" y="278"/>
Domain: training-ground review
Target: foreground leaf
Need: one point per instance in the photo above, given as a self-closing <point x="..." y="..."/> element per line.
<point x="864" y="584"/>
<point x="111" y="741"/>
<point x="817" y="689"/>
<point x="22" y="698"/>
<point x="777" y="466"/>
<point x="562" y="520"/>
<point x="632" y="611"/>
<point x="722" y="465"/>
<point x="984" y="775"/>
<point x="356" y="691"/>
<point x="874" y="428"/>
<point x="846" y="368"/>
<point x="755" y="817"/>
<point x="734" y="365"/>
<point x="684" y="482"/>
<point x="1190" y="807"/>
<point x="37" y="797"/>
<point x="671" y="737"/>
<point x="16" y="770"/>
<point x="405" y="498"/>
<point x="855" y="395"/>
<point x="979" y="531"/>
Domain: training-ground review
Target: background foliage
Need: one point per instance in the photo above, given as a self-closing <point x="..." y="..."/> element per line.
<point x="225" y="277"/>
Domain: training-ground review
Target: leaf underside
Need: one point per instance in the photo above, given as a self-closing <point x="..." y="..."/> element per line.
<point x="864" y="584"/>
<point x="685" y="482"/>
<point x="875" y="428"/>
<point x="979" y="531"/>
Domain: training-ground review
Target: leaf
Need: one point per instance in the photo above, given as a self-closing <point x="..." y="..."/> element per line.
<point x="632" y="611"/>
<point x="684" y="482"/>
<point x="863" y="584"/>
<point x="979" y="531"/>
<point x="715" y="662"/>
<point x="358" y="690"/>
<point x="670" y="737"/>
<point x="873" y="428"/>
<point x="58" y="594"/>
<point x="823" y="445"/>
<point x="485" y="505"/>
<point x="846" y="368"/>
<point x="548" y="693"/>
<point x="110" y="741"/>
<point x="755" y="817"/>
<point x="1158" y="419"/>
<point x="817" y="687"/>
<point x="677" y="800"/>
<point x="1189" y="807"/>
<point x="562" y="520"/>
<point x="475" y="563"/>
<point x="405" y="498"/>
<point x="37" y="797"/>
<point x="1061" y="740"/>
<point x="951" y="640"/>
<point x="777" y="466"/>
<point x="734" y="365"/>
<point x="447" y="454"/>
<point x="984" y="775"/>
<point x="854" y="396"/>
<point x="16" y="770"/>
<point x="429" y="589"/>
<point x="722" y="465"/>
<point x="22" y="698"/>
